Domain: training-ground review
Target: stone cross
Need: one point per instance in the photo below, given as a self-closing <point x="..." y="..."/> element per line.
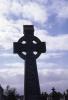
<point x="29" y="48"/>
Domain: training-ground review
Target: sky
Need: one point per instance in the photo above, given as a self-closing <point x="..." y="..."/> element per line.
<point x="50" y="20"/>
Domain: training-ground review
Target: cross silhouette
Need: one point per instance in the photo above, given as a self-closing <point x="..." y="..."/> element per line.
<point x="29" y="44"/>
<point x="29" y="48"/>
<point x="53" y="89"/>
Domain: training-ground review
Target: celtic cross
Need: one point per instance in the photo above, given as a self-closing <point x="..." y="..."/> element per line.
<point x="29" y="48"/>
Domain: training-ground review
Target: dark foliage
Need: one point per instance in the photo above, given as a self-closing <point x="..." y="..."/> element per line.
<point x="11" y="94"/>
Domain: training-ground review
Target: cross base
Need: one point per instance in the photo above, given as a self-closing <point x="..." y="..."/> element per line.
<point x="33" y="97"/>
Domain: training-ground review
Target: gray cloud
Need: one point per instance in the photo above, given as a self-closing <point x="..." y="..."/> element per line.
<point x="48" y="79"/>
<point x="50" y="66"/>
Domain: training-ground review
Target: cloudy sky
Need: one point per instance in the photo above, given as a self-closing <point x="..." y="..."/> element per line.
<point x="50" y="20"/>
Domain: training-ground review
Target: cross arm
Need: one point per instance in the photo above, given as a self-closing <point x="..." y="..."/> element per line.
<point x="41" y="47"/>
<point x="18" y="47"/>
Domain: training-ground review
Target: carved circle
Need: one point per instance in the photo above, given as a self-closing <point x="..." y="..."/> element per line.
<point x="34" y="40"/>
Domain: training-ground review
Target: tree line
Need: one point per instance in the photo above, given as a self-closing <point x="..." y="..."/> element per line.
<point x="11" y="94"/>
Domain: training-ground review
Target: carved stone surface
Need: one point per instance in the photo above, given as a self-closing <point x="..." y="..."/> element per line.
<point x="29" y="48"/>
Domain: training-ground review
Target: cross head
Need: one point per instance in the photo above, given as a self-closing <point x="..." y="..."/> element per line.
<point x="29" y="44"/>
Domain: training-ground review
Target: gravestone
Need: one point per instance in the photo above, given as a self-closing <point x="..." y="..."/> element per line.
<point x="66" y="95"/>
<point x="55" y="95"/>
<point x="29" y="48"/>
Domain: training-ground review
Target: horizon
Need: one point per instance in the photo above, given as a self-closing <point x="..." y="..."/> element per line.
<point x="50" y="20"/>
